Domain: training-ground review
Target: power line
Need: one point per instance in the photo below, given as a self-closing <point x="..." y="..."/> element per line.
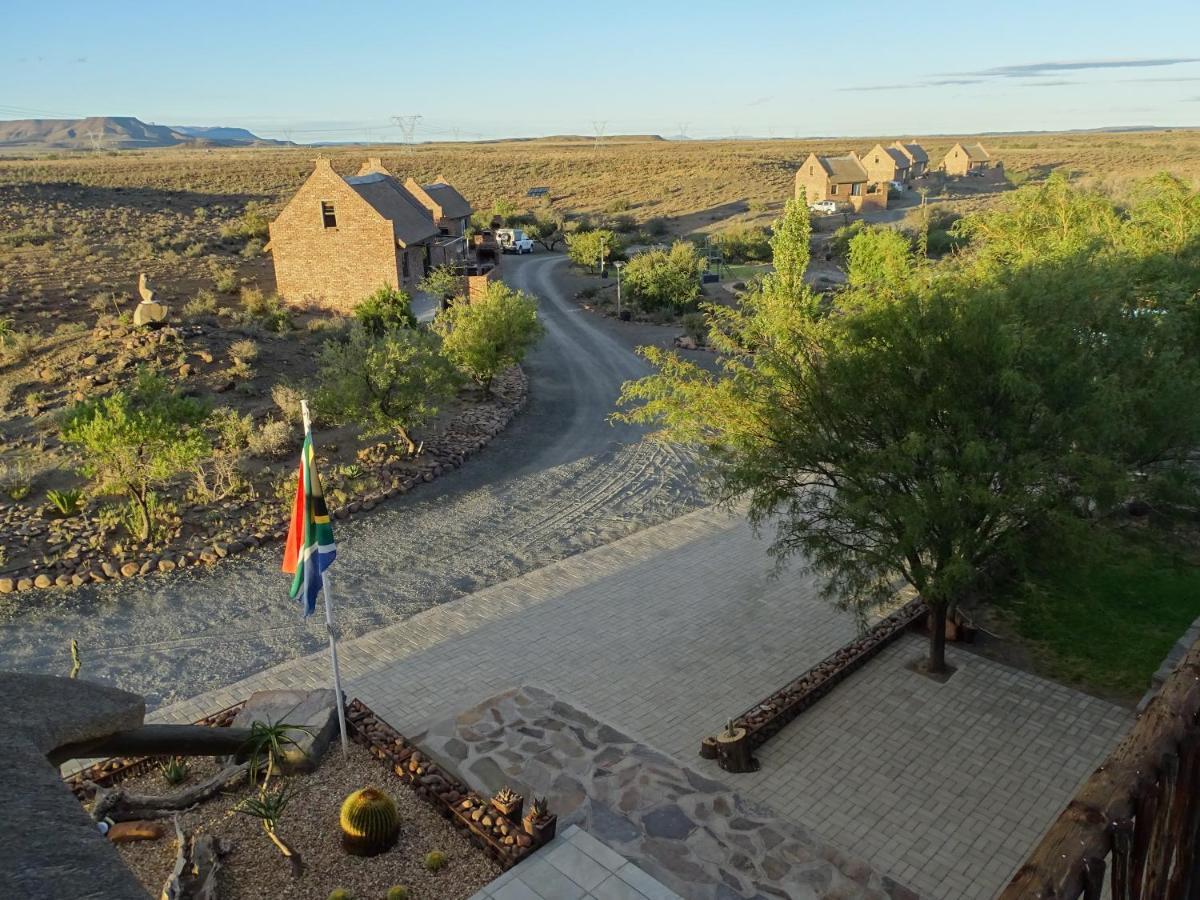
<point x="407" y="126"/>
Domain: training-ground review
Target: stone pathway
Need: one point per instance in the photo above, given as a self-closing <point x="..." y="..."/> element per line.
<point x="576" y="866"/>
<point x="692" y="833"/>
<point x="669" y="631"/>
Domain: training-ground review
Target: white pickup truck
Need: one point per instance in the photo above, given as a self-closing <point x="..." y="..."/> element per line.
<point x="513" y="240"/>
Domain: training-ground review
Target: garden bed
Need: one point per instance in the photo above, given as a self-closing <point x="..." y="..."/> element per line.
<point x="437" y="813"/>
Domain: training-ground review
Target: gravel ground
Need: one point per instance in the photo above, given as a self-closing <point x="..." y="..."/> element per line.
<point x="254" y="868"/>
<point x="560" y="480"/>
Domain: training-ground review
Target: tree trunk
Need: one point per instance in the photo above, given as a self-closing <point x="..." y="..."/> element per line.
<point x="120" y="806"/>
<point x="937" y="638"/>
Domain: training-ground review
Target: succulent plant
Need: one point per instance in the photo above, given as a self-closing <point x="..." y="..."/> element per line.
<point x="434" y="860"/>
<point x="538" y="808"/>
<point x="397" y="892"/>
<point x="174" y="770"/>
<point x="339" y="894"/>
<point x="505" y="796"/>
<point x="370" y="823"/>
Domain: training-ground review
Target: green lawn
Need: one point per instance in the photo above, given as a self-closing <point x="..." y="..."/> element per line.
<point x="744" y="271"/>
<point x="1105" y="619"/>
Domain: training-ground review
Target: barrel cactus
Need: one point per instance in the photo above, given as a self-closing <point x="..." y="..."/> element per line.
<point x="397" y="892"/>
<point x="370" y="823"/>
<point x="339" y="894"/>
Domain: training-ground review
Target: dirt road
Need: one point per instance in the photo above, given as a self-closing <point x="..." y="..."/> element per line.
<point x="559" y="480"/>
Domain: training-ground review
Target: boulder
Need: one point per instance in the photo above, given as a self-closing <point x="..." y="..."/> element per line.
<point x="312" y="711"/>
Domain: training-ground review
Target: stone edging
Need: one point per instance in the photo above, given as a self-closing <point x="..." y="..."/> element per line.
<point x="1174" y="656"/>
<point x="767" y="718"/>
<point x="506" y="838"/>
<point x="441" y="456"/>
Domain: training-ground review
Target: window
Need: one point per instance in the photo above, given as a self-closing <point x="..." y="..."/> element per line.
<point x="404" y="262"/>
<point x="444" y="231"/>
<point x="877" y="160"/>
<point x="328" y="217"/>
<point x="856" y="189"/>
<point x="833" y="188"/>
<point x="812" y="170"/>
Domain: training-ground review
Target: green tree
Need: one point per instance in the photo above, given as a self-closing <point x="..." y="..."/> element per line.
<point x="587" y="249"/>
<point x="744" y="243"/>
<point x="384" y="310"/>
<point x="662" y="279"/>
<point x="134" y="441"/>
<point x="486" y="336"/>
<point x="443" y="282"/>
<point x="941" y="419"/>
<point x="547" y="229"/>
<point x="385" y="382"/>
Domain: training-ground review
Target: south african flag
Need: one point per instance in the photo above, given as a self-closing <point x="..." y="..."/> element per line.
<point x="310" y="548"/>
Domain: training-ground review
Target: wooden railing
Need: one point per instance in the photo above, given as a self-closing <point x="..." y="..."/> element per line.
<point x="1136" y="821"/>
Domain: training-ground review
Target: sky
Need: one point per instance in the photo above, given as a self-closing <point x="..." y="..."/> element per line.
<point x="317" y="71"/>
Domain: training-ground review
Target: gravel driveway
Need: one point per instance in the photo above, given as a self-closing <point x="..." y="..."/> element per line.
<point x="559" y="480"/>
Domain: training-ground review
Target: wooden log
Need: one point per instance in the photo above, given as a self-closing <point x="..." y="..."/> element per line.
<point x="734" y="751"/>
<point x="157" y="740"/>
<point x="206" y="863"/>
<point x="120" y="806"/>
<point x="173" y="888"/>
<point x="1055" y="867"/>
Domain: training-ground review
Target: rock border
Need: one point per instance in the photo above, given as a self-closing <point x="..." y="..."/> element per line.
<point x="507" y="836"/>
<point x="462" y="437"/>
<point x="766" y="718"/>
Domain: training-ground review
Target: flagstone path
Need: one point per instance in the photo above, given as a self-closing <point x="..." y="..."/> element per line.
<point x="667" y="632"/>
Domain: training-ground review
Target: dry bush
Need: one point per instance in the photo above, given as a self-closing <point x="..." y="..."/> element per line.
<point x="272" y="439"/>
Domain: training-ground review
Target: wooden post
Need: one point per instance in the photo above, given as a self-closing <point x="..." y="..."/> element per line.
<point x="733" y="751"/>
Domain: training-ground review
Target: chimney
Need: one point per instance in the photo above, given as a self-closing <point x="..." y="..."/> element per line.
<point x="372" y="165"/>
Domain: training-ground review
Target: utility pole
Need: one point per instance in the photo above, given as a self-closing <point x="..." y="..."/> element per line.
<point x="599" y="127"/>
<point x="617" y="265"/>
<point x="407" y="126"/>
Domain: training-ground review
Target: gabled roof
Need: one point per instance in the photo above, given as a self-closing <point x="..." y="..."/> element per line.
<point x="976" y="152"/>
<point x="411" y="222"/>
<point x="901" y="160"/>
<point x="454" y="205"/>
<point x="915" y="151"/>
<point x="843" y="169"/>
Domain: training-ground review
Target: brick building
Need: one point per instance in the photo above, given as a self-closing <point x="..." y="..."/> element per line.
<point x="886" y="164"/>
<point x="964" y="158"/>
<point x="918" y="158"/>
<point x="842" y="179"/>
<point x="339" y="239"/>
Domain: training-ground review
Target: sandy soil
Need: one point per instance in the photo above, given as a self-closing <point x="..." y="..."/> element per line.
<point x="561" y="479"/>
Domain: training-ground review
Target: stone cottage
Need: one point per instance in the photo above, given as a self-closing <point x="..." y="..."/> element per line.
<point x="964" y="158"/>
<point x="842" y="179"/>
<point x="341" y="238"/>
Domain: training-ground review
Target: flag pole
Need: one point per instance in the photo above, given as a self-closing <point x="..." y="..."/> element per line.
<point x="333" y="656"/>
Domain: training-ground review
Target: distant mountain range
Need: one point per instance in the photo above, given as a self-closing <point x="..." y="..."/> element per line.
<point x="120" y="133"/>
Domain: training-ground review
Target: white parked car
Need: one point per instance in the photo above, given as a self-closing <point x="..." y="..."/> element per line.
<point x="823" y="206"/>
<point x="513" y="240"/>
<point x="897" y="186"/>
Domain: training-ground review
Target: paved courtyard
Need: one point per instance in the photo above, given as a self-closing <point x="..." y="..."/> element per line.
<point x="669" y="631"/>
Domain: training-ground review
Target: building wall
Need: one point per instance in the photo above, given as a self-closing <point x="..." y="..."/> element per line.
<point x="958" y="163"/>
<point x="334" y="267"/>
<point x="881" y="166"/>
<point x="812" y="180"/>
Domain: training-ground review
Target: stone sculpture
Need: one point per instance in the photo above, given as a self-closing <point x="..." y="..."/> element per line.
<point x="147" y="311"/>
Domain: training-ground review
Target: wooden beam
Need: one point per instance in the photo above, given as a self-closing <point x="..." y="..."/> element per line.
<point x="1056" y="867"/>
<point x="157" y="740"/>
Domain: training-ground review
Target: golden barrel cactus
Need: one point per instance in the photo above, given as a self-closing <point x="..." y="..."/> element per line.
<point x="370" y="823"/>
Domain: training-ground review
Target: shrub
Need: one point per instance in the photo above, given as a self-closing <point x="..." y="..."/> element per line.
<point x="253" y="248"/>
<point x="370" y="822"/>
<point x="660" y="279"/>
<point x="484" y="338"/>
<point x="225" y="278"/>
<point x="587" y="248"/>
<point x="443" y="282"/>
<point x="136" y="440"/>
<point x="203" y="304"/>
<point x="271" y="440"/>
<point x="384" y="310"/>
<point x="839" y="241"/>
<point x="744" y="243"/>
<point x="266" y="310"/>
<point x="234" y="430"/>
<point x="388" y="382"/>
<point x="287" y="397"/>
<point x="695" y="326"/>
<point x="435" y="860"/>
<point x="253" y="223"/>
